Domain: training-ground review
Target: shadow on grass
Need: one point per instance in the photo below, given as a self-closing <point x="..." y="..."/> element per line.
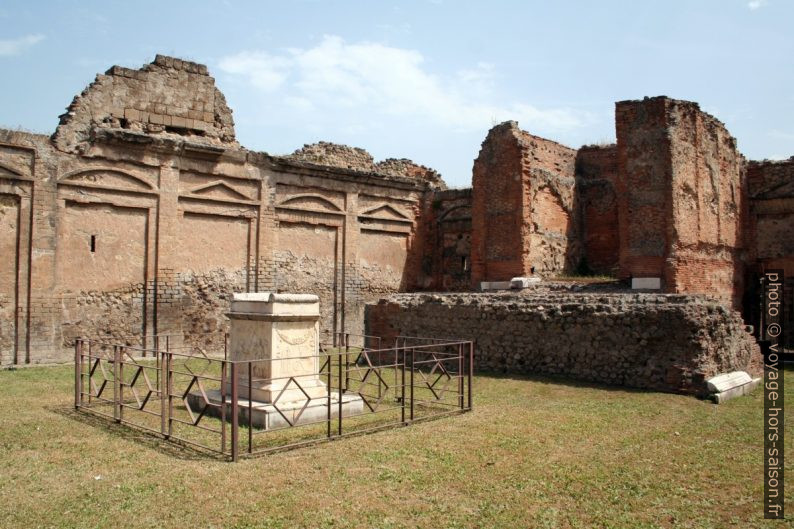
<point x="178" y="449"/>
<point x="170" y="447"/>
<point x="574" y="383"/>
<point x="560" y="380"/>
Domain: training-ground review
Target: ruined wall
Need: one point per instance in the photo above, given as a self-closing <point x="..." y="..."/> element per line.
<point x="596" y="176"/>
<point x="27" y="310"/>
<point x="643" y="186"/>
<point x="334" y="155"/>
<point x="120" y="228"/>
<point x="497" y="202"/>
<point x="523" y="206"/>
<point x="168" y="96"/>
<point x="683" y="203"/>
<point x="343" y="156"/>
<point x="447" y="232"/>
<point x="709" y="206"/>
<point x="661" y="342"/>
<point x="771" y="189"/>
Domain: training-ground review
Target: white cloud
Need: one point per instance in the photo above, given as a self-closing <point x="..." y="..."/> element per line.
<point x="756" y="4"/>
<point x="17" y="46"/>
<point x="263" y="70"/>
<point x="371" y="78"/>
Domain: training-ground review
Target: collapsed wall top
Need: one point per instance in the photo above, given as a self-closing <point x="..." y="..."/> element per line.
<point x="168" y="98"/>
<point x="355" y="158"/>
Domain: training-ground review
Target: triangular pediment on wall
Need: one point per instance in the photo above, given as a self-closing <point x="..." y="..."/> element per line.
<point x="107" y="177"/>
<point x="8" y="172"/>
<point x="386" y="212"/>
<point x="219" y="189"/>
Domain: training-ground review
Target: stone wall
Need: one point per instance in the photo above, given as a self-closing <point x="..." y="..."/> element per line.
<point x="660" y="342"/>
<point x="524" y="207"/>
<point x="343" y="156"/>
<point x="682" y="198"/>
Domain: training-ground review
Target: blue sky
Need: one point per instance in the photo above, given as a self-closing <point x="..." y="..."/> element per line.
<point x="421" y="79"/>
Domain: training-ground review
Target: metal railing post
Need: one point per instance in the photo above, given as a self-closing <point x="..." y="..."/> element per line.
<point x="162" y="375"/>
<point x="341" y="393"/>
<point x="471" y="371"/>
<point x="250" y="407"/>
<point x="460" y="376"/>
<point x="234" y="411"/>
<point x="347" y="352"/>
<point x="78" y="373"/>
<point x="328" y="407"/>
<point x="224" y="381"/>
<point x="116" y="382"/>
<point x="121" y="383"/>
<point x="90" y="392"/>
<point x="156" y="342"/>
<point x="169" y="375"/>
<point x="412" y="383"/>
<point x="402" y="387"/>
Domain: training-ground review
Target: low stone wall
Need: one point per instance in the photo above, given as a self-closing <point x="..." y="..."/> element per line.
<point x="661" y="342"/>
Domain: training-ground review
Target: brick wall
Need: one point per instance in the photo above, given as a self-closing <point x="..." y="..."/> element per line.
<point x="643" y="186"/>
<point x="771" y="189"/>
<point x="596" y="174"/>
<point x="681" y="197"/>
<point x="523" y="206"/>
<point x="447" y="232"/>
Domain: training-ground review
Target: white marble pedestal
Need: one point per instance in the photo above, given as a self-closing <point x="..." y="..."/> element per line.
<point x="280" y="333"/>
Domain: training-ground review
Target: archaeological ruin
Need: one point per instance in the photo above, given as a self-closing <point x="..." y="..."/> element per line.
<point x="142" y="214"/>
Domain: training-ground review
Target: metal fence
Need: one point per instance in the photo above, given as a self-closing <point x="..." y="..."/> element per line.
<point x="234" y="408"/>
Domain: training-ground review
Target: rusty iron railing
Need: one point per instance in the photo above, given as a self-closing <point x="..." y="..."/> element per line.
<point x="213" y="404"/>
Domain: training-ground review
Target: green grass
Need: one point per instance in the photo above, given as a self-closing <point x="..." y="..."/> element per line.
<point x="534" y="453"/>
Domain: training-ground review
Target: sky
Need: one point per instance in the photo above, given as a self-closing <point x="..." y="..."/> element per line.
<point x="423" y="79"/>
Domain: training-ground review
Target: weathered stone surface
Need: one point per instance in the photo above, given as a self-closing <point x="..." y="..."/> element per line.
<point x="168" y="97"/>
<point x="355" y="158"/>
<point x="335" y="155"/>
<point x="682" y="196"/>
<point x="771" y="188"/>
<point x="726" y="381"/>
<point x="280" y="334"/>
<point x="596" y="174"/>
<point x="524" y="217"/>
<point x="653" y="341"/>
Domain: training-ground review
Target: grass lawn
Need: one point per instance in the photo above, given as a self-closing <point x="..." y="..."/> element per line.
<point x="534" y="453"/>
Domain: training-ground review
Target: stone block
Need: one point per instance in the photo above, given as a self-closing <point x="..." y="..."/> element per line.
<point x="518" y="283"/>
<point x="646" y="283"/>
<point x="728" y="381"/>
<point x="132" y="114"/>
